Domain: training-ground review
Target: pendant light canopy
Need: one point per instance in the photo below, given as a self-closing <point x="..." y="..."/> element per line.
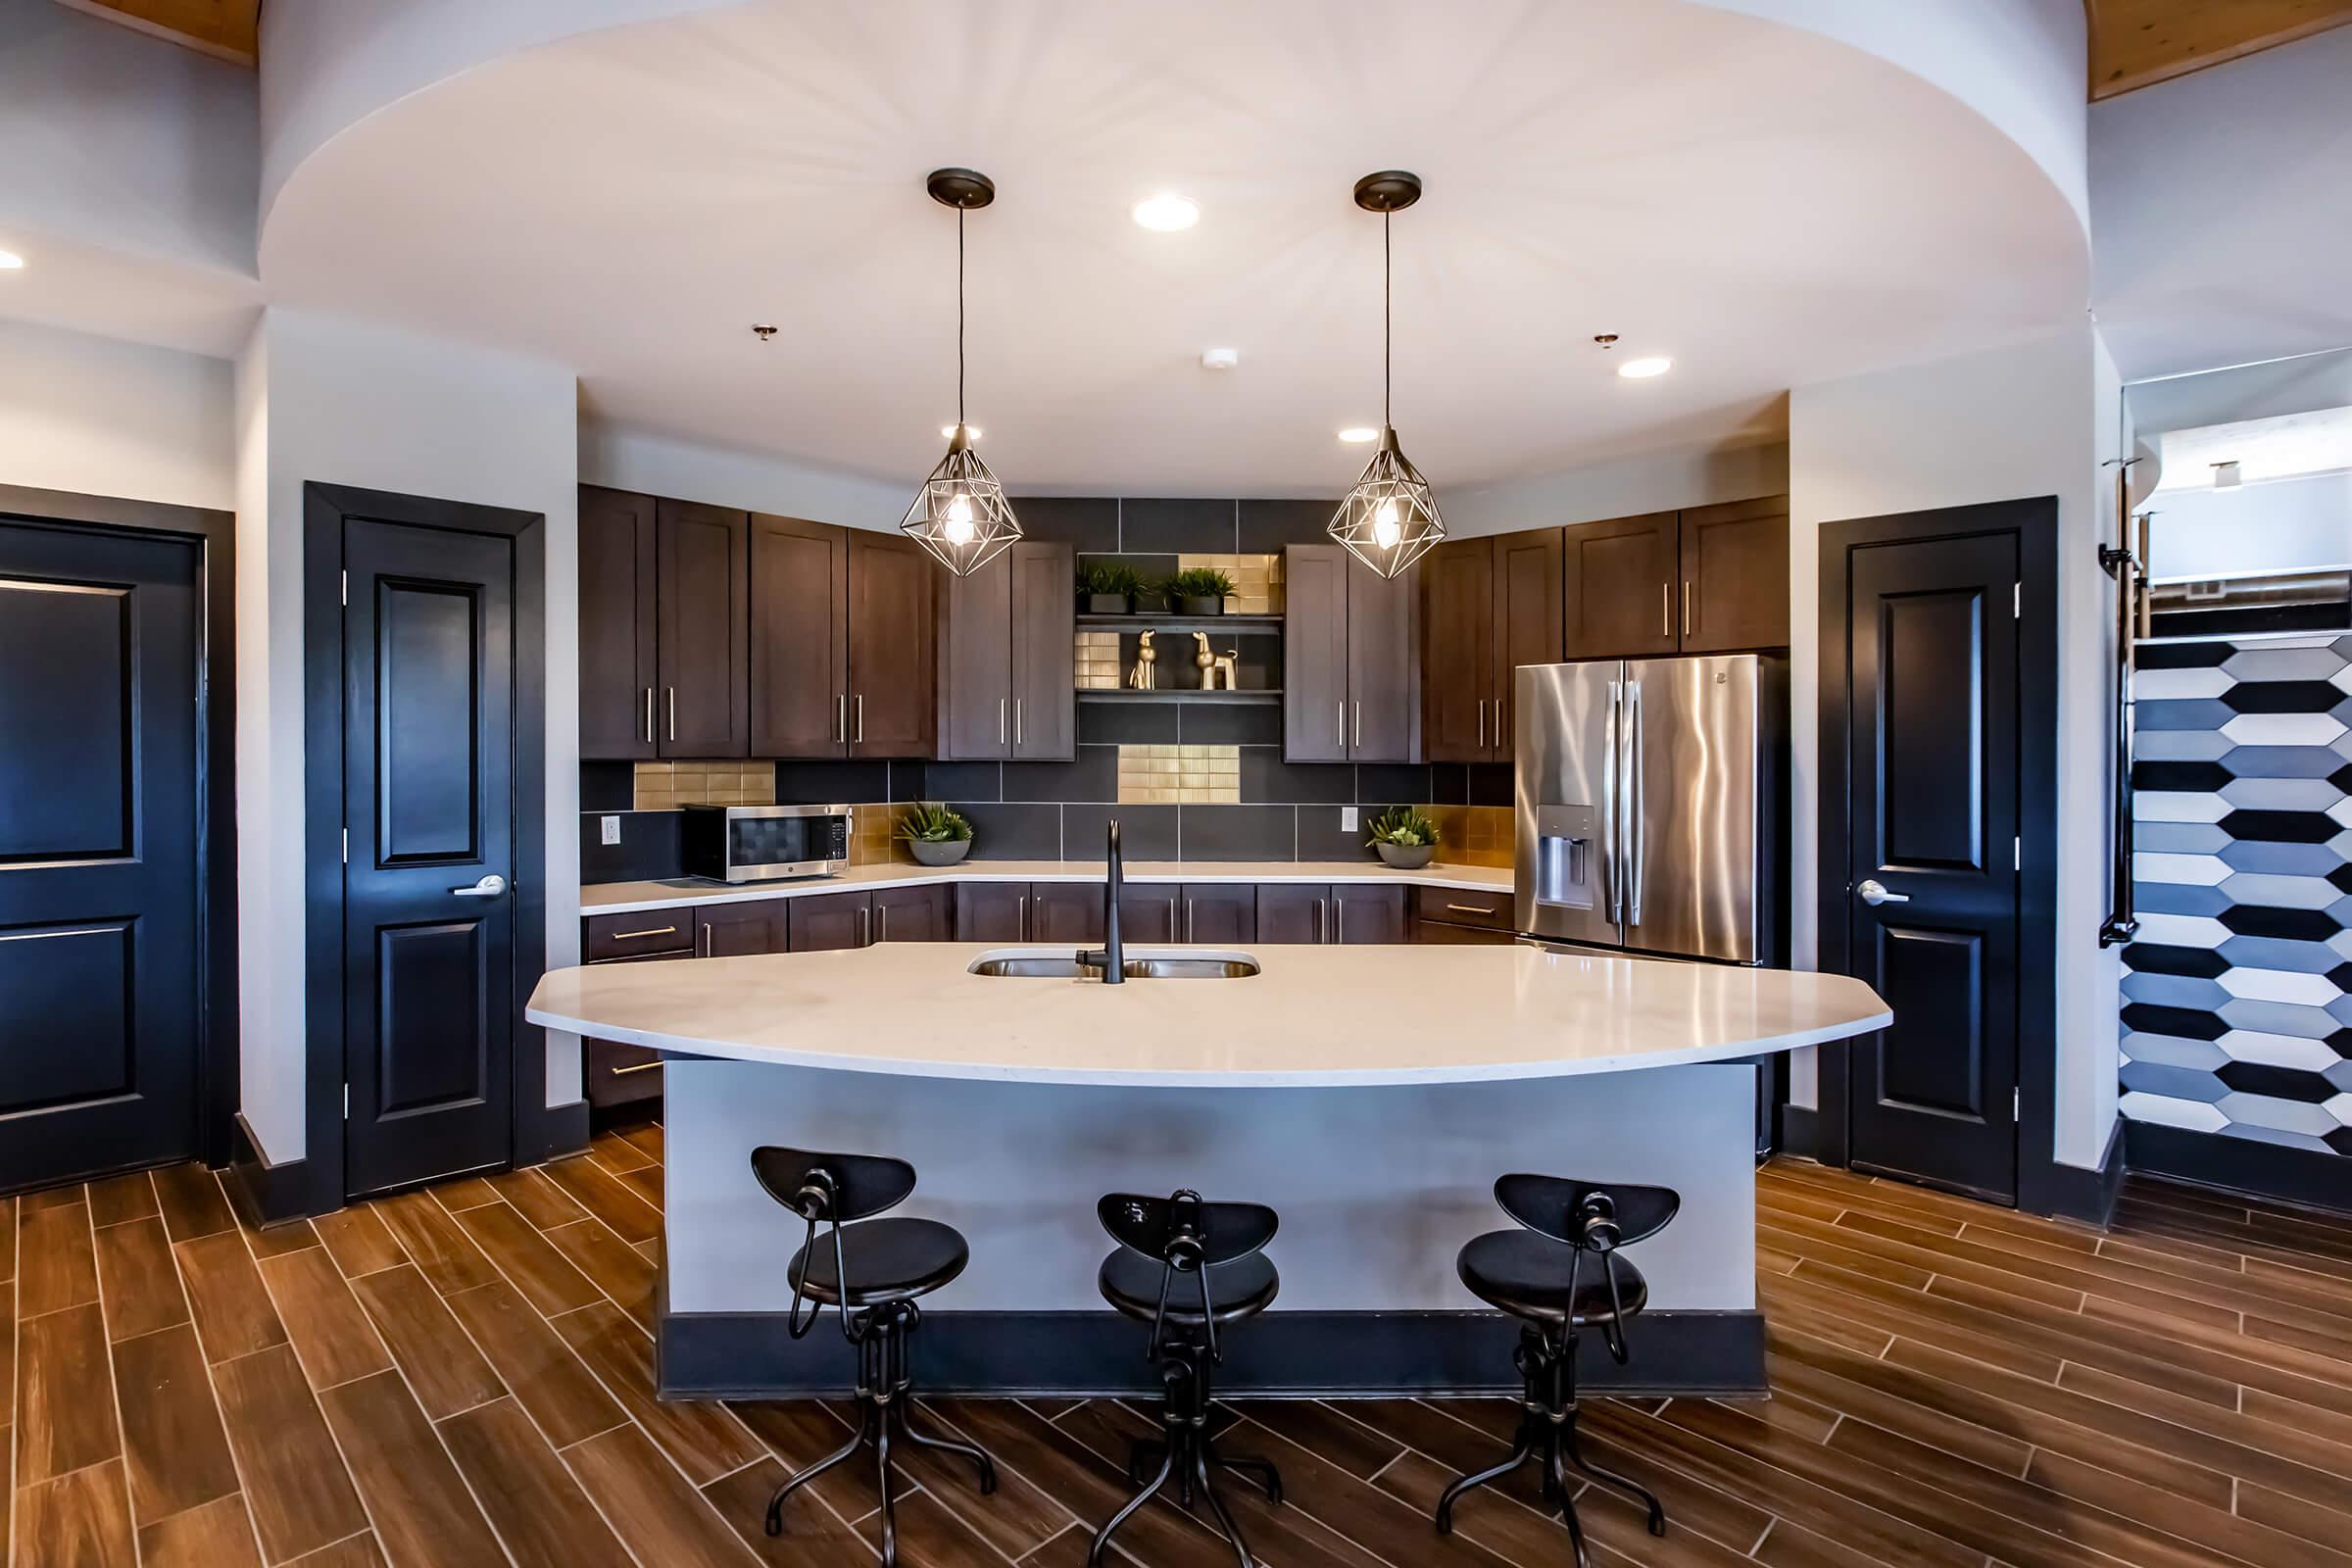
<point x="960" y="514"/>
<point x="1389" y="519"/>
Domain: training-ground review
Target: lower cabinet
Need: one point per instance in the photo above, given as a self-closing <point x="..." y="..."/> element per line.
<point x="1293" y="912"/>
<point x="1368" y="913"/>
<point x="1069" y="911"/>
<point x="1220" y="911"/>
<point x="828" y="922"/>
<point x="914" y="914"/>
<point x="733" y="930"/>
<point x="1147" y="912"/>
<point x="991" y="911"/>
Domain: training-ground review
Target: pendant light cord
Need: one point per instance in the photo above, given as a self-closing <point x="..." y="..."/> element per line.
<point x="959" y="320"/>
<point x="1387" y="331"/>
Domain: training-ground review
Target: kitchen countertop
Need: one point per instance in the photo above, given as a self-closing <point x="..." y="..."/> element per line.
<point x="638" y="898"/>
<point x="1317" y="1016"/>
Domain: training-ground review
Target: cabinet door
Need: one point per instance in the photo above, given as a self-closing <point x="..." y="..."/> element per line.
<point x="1445" y="934"/>
<point x="1293" y="912"/>
<point x="991" y="911"/>
<point x="617" y="1074"/>
<point x="829" y="922"/>
<point x="1384" y="716"/>
<point x="1528" y="621"/>
<point x="975" y="663"/>
<point x="1314" y="654"/>
<point x="799" y="678"/>
<point x="1220" y="911"/>
<point x="914" y="914"/>
<point x="1367" y="913"/>
<point x="891" y="674"/>
<point x="619" y="672"/>
<point x="1068" y="912"/>
<point x="1150" y="912"/>
<point x="1045" y="652"/>
<point x="1458" y="604"/>
<point x="731" y="930"/>
<point x="1619" y="578"/>
<point x="1736" y="576"/>
<point x="701" y="602"/>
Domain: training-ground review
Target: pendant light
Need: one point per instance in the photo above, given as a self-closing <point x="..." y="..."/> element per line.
<point x="960" y="514"/>
<point x="1389" y="519"/>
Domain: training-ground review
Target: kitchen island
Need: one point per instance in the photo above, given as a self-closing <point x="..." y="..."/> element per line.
<point x="1371" y="1095"/>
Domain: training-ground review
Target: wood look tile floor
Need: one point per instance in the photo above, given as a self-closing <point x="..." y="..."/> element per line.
<point x="463" y="1376"/>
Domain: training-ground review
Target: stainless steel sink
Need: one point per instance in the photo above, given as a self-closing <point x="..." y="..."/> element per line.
<point x="1063" y="966"/>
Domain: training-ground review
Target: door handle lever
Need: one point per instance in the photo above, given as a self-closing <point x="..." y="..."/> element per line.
<point x="1873" y="892"/>
<point x="489" y="887"/>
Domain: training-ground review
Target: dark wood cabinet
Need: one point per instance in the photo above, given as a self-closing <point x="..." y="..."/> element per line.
<point x="1530" y="622"/>
<point x="1368" y="913"/>
<point x="702" y="606"/>
<point x="618" y="671"/>
<point x="991" y="911"/>
<point x="1069" y="911"/>
<point x="891" y="647"/>
<point x="1293" y="912"/>
<point x="1007" y="665"/>
<point x="1350" y="666"/>
<point x="1735" y="562"/>
<point x="914" y="914"/>
<point x="829" y="922"/>
<point x="1442" y="934"/>
<point x="731" y="930"/>
<point x="800" y="650"/>
<point x="663" y="932"/>
<point x="1457" y="662"/>
<point x="1620" y="582"/>
<point x="1150" y="911"/>
<point x="1220" y="911"/>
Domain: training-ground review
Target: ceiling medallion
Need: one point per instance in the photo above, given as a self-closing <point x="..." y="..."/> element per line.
<point x="1389" y="519"/>
<point x="960" y="514"/>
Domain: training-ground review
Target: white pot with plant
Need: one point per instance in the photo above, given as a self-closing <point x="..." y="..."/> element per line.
<point x="1405" y="838"/>
<point x="935" y="835"/>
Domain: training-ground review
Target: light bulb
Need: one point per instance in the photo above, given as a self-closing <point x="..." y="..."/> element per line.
<point x="1385" y="530"/>
<point x="958" y="526"/>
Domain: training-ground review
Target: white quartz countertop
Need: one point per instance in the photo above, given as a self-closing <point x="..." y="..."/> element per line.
<point x="1316" y="1017"/>
<point x="639" y="898"/>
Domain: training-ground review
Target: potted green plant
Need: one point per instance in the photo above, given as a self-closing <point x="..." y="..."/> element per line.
<point x="1405" y="838"/>
<point x="935" y="835"/>
<point x="1199" y="590"/>
<point x="1107" y="587"/>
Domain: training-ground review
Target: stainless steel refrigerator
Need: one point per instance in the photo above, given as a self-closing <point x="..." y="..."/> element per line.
<point x="1650" y="805"/>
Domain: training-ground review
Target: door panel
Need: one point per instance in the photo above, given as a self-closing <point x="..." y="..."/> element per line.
<point x="1692" y="873"/>
<point x="975" y="672"/>
<point x="829" y="922"/>
<point x="1530" y="627"/>
<point x="799" y="646"/>
<point x="428" y="802"/>
<point x="1618" y="578"/>
<point x="914" y="914"/>
<point x="1932" y="775"/>
<point x="1362" y="912"/>
<point x="1220" y="913"/>
<point x="1565" y="768"/>
<point x="1045" y="652"/>
<point x="99" y="640"/>
<point x="732" y="930"/>
<point x="1151" y="913"/>
<point x="702" y="605"/>
<point x="1068" y="912"/>
<point x="1735" y="575"/>
<point x="1314" y="654"/>
<point x="891" y="669"/>
<point x="991" y="911"/>
<point x="1293" y="912"/>
<point x="618" y="671"/>
<point x="1381" y="716"/>
<point x="1457" y="671"/>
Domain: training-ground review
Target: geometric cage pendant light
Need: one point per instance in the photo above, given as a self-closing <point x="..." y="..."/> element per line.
<point x="960" y="514"/>
<point x="1389" y="519"/>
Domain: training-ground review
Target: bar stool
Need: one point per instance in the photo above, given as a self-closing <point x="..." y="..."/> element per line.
<point x="1186" y="1267"/>
<point x="1539" y="1274"/>
<point x="870" y="1273"/>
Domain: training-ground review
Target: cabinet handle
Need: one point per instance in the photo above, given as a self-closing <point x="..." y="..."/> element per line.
<point x="672" y="692"/>
<point x="841" y="718"/>
<point x="1342" y="723"/>
<point x="701" y="942"/>
<point x="649" y="931"/>
<point x="865" y="928"/>
<point x="1469" y="909"/>
<point x="1339" y="909"/>
<point x="1016" y="722"/>
<point x="1482" y="723"/>
<point x="1318" y="922"/>
<point x="858" y="738"/>
<point x="1022" y="919"/>
<point x="1172" y="919"/>
<point x="882" y="922"/>
<point x="1000" y="722"/>
<point x="1359" y="728"/>
<point x="1188" y="922"/>
<point x="1686" y="606"/>
<point x="1666" y="610"/>
<point x="643" y="1066"/>
<point x="649" y="715"/>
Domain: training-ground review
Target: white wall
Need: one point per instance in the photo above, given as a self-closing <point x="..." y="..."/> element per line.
<point x="2030" y="420"/>
<point x="2283" y="525"/>
<point x="109" y="419"/>
<point x="664" y="466"/>
<point x="329" y="398"/>
<point x="1650" y="481"/>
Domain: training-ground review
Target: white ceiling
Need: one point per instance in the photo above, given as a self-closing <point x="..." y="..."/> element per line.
<point x="1764" y="206"/>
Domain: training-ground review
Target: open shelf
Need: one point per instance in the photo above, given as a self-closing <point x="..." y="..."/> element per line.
<point x="1170" y="622"/>
<point x="1179" y="694"/>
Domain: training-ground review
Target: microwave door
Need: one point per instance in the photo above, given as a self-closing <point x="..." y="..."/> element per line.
<point x="1566" y="790"/>
<point x="1692" y="757"/>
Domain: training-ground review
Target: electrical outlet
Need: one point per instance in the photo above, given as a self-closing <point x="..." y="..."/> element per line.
<point x="611" y="831"/>
<point x="1347" y="819"/>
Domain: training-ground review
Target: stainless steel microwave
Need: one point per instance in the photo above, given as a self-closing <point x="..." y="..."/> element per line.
<point x="764" y="843"/>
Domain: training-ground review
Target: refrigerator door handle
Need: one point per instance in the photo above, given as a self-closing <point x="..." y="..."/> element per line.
<point x="1612" y="863"/>
<point x="1637" y="832"/>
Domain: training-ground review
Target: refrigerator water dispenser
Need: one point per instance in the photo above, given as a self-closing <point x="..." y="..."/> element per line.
<point x="1564" y="836"/>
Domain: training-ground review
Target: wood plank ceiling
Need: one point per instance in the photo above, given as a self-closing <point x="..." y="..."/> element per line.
<point x="2136" y="43"/>
<point x="225" y="28"/>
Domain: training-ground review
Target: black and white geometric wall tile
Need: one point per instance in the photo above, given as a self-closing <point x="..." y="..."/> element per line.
<point x="2238" y="1000"/>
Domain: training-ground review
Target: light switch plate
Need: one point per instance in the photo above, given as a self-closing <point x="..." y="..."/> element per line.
<point x="609" y="830"/>
<point x="1347" y="819"/>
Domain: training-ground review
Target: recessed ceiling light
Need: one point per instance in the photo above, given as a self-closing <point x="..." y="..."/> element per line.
<point x="1358" y="434"/>
<point x="1167" y="212"/>
<point x="971" y="432"/>
<point x="1220" y="359"/>
<point x="1642" y="370"/>
<point x="11" y="261"/>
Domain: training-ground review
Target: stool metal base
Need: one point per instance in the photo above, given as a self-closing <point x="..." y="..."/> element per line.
<point x="1547" y="1436"/>
<point x="1188" y="1455"/>
<point x="885" y="1387"/>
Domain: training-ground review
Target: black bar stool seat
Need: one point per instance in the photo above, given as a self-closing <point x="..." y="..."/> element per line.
<point x="1244" y="1288"/>
<point x="888" y="1260"/>
<point x="1526" y="1275"/>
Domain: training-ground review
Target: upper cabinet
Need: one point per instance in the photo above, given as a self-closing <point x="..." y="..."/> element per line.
<point x="1621" y="580"/>
<point x="619" y="679"/>
<point x="1488" y="605"/>
<point x="702" y="600"/>
<point x="1007" y="676"/>
<point x="1351" y="688"/>
<point x="800" y="638"/>
<point x="893" y="582"/>
<point x="1708" y="579"/>
<point x="1735" y="575"/>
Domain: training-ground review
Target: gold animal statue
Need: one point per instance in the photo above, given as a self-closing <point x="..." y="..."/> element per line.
<point x="1222" y="670"/>
<point x="1206" y="660"/>
<point x="1144" y="676"/>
